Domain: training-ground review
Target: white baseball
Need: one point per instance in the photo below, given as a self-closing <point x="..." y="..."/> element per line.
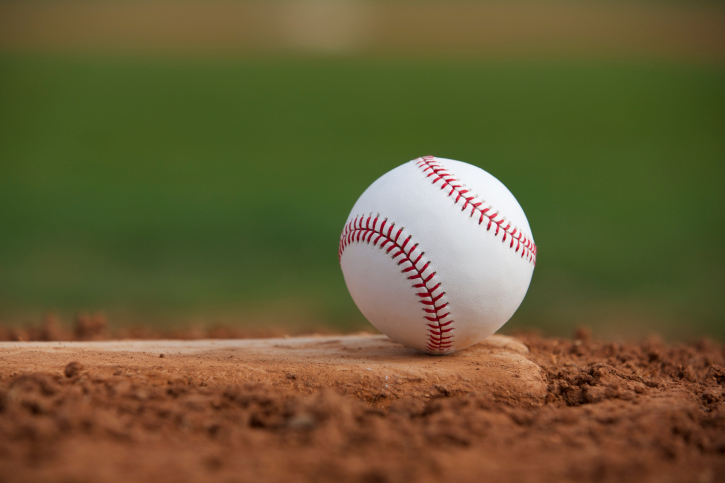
<point x="437" y="254"/>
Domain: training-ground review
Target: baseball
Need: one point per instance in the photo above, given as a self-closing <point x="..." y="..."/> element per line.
<point x="437" y="254"/>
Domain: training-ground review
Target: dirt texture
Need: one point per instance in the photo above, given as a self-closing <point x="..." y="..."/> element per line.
<point x="361" y="408"/>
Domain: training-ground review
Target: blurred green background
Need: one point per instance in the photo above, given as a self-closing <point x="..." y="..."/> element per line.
<point x="166" y="189"/>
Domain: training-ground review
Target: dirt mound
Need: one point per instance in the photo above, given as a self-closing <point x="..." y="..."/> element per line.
<point x="565" y="410"/>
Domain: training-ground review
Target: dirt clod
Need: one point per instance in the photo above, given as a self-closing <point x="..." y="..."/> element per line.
<point x="72" y="369"/>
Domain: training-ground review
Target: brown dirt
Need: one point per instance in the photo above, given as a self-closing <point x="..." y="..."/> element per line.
<point x="94" y="327"/>
<point x="361" y="408"/>
<point x="600" y="29"/>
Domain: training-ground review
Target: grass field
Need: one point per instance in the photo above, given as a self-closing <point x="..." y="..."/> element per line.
<point x="160" y="189"/>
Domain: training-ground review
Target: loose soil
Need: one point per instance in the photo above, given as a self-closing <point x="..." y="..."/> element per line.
<point x="361" y="408"/>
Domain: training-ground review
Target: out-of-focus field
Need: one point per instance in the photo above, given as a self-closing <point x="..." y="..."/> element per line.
<point x="684" y="30"/>
<point x="185" y="163"/>
<point x="187" y="187"/>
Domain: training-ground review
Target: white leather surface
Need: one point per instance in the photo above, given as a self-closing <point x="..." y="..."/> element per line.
<point x="483" y="278"/>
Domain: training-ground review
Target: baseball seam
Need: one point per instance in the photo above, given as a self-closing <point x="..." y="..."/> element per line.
<point x="384" y="235"/>
<point x="433" y="169"/>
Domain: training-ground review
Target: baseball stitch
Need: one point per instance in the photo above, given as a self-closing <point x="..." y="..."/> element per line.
<point x="432" y="168"/>
<point x="383" y="234"/>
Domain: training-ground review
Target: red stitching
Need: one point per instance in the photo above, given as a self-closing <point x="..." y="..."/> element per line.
<point x="433" y="169"/>
<point x="359" y="231"/>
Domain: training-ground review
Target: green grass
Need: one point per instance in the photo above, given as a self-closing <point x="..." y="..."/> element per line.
<point x="153" y="187"/>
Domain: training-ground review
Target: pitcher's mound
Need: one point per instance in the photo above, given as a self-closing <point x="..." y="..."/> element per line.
<point x="371" y="367"/>
<point x="361" y="409"/>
